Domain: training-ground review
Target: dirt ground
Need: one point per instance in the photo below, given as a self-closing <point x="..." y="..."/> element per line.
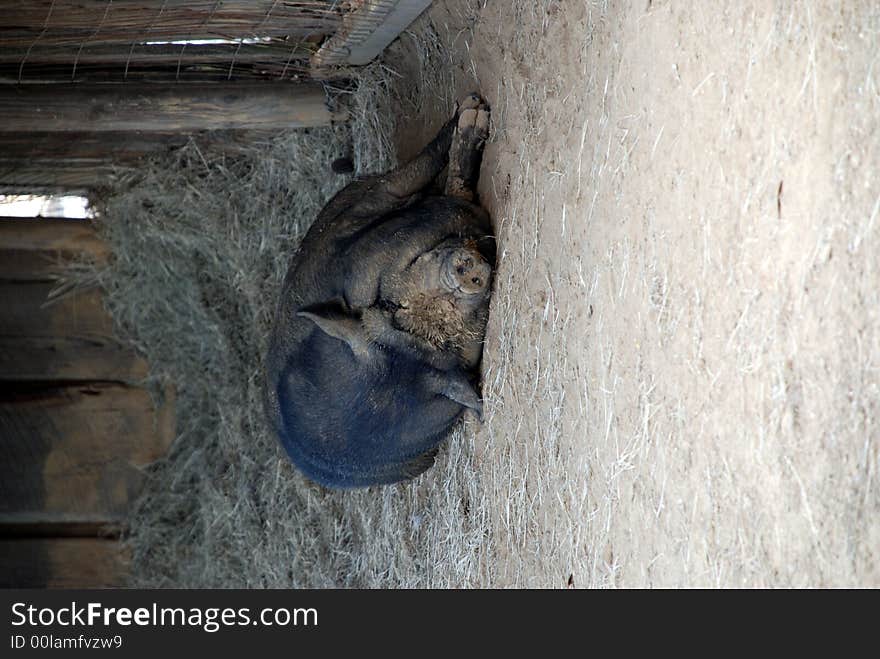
<point x="681" y="366"/>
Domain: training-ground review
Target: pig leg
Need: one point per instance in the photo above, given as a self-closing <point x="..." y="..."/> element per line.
<point x="419" y="172"/>
<point x="366" y="199"/>
<point x="466" y="151"/>
<point x="362" y="201"/>
<point x="424" y="168"/>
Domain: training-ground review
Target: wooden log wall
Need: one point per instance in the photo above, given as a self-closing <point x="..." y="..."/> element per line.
<point x="87" y="87"/>
<point x="76" y="432"/>
<point x="97" y="40"/>
<point x="76" y="137"/>
<point x="158" y="108"/>
<point x="98" y="22"/>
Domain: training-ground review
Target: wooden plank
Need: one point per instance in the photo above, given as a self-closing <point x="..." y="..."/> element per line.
<point x="47" y="189"/>
<point x="31" y="175"/>
<point x="63" y="563"/>
<point x="25" y="265"/>
<point x="119" y="148"/>
<point x="127" y="21"/>
<point x="69" y="339"/>
<point x="129" y="62"/>
<point x="366" y="31"/>
<point x="75" y="455"/>
<point x="177" y="107"/>
<point x="134" y="54"/>
<point x="101" y="147"/>
<point x="36" y="249"/>
<point x="116" y="147"/>
<point x="43" y="529"/>
<point x="51" y="235"/>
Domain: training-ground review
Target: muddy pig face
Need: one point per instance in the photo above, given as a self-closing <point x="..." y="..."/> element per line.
<point x="464" y="272"/>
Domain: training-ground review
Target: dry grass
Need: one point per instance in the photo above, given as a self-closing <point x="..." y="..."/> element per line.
<point x="201" y="243"/>
<point x="681" y="363"/>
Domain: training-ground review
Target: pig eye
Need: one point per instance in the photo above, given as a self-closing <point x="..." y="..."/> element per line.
<point x="476" y="280"/>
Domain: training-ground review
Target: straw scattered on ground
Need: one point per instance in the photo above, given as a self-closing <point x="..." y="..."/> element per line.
<point x="682" y="359"/>
<point x="681" y="363"/>
<point x="201" y="242"/>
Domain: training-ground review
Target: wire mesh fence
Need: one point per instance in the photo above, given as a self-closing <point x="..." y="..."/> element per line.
<point x="69" y="50"/>
<point x="201" y="40"/>
<point x="162" y="40"/>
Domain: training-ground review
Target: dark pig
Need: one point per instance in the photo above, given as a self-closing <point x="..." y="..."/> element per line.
<point x="357" y="392"/>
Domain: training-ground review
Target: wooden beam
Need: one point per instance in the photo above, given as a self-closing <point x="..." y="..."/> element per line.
<point x="127" y="21"/>
<point x="53" y="529"/>
<point x="80" y="146"/>
<point x="155" y="64"/>
<point x="36" y="249"/>
<point x="76" y="454"/>
<point x="45" y="235"/>
<point x="25" y="265"/>
<point x="69" y="339"/>
<point x="366" y="31"/>
<point x="30" y="176"/>
<point x="63" y="563"/>
<point x="135" y="54"/>
<point x="168" y="107"/>
<point x="126" y="148"/>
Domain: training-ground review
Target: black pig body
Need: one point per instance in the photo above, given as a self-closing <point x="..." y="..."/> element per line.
<point x="355" y="399"/>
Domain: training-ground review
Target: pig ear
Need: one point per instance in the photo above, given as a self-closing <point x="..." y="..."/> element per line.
<point x="455" y="387"/>
<point x="334" y="322"/>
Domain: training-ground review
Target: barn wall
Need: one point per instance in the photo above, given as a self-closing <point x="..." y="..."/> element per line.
<point x="88" y="88"/>
<point x="77" y="432"/>
<point x="85" y="93"/>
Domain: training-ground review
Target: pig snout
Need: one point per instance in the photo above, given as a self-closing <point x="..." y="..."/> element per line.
<point x="467" y="273"/>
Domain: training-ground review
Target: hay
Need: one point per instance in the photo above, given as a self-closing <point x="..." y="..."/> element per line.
<point x="201" y="242"/>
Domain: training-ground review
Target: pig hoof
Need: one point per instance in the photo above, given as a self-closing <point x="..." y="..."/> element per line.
<point x="473" y="124"/>
<point x="471" y="102"/>
<point x="473" y="114"/>
<point x="478" y="412"/>
<point x="471" y="133"/>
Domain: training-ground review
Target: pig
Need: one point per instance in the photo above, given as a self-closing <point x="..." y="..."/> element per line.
<point x="366" y="374"/>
